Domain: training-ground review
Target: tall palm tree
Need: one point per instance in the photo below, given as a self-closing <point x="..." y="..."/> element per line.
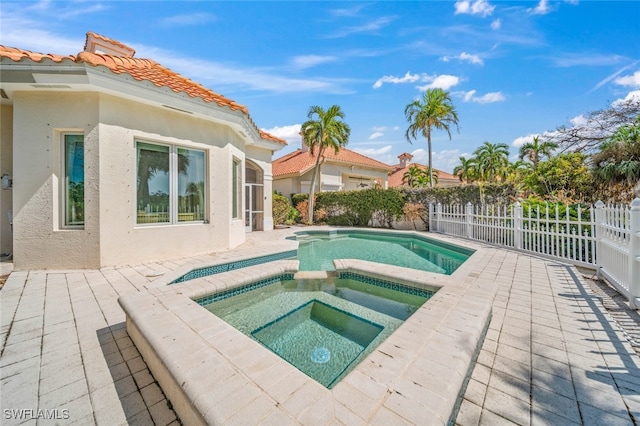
<point x="492" y="161"/>
<point x="466" y="170"/>
<point x="435" y="110"/>
<point x="322" y="130"/>
<point x="535" y="149"/>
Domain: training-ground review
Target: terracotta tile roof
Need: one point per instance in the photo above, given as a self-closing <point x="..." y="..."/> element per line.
<point x="299" y="161"/>
<point x="395" y="178"/>
<point x="139" y="69"/>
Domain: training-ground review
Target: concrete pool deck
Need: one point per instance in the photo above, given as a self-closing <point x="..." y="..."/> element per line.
<point x="552" y="354"/>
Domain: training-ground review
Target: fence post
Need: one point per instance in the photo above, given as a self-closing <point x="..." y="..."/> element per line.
<point x="598" y="234"/>
<point x="517" y="225"/>
<point x="634" y="254"/>
<point x="468" y="212"/>
<point x="431" y="217"/>
<point x="438" y="216"/>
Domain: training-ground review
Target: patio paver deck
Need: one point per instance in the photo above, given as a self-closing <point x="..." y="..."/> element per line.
<point x="552" y="354"/>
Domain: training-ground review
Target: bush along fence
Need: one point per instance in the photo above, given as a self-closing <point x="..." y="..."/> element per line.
<point x="605" y="237"/>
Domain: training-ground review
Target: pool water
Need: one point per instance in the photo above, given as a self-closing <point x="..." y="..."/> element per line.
<point x="317" y="250"/>
<point x="320" y="340"/>
<point x="324" y="327"/>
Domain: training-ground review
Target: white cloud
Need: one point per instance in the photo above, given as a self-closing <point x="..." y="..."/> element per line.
<point x="188" y="19"/>
<point x="379" y="128"/>
<point x="381" y="154"/>
<point x="308" y="61"/>
<point x="372" y="26"/>
<point x="444" y="160"/>
<point x="542" y="8"/>
<point x="497" y="24"/>
<point x="631" y="96"/>
<point x="487" y="98"/>
<point x="407" y="78"/>
<point x="632" y="80"/>
<point x="477" y="7"/>
<point x="374" y="151"/>
<point x="289" y="133"/>
<point x="443" y="81"/>
<point x="464" y="56"/>
<point x="578" y="120"/>
<point x="376" y="135"/>
<point x="518" y="142"/>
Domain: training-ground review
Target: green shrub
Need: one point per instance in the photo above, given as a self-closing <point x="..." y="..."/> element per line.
<point x="298" y="198"/>
<point x="281" y="207"/>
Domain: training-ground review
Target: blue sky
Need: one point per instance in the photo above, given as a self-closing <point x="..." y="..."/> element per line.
<point x="514" y="69"/>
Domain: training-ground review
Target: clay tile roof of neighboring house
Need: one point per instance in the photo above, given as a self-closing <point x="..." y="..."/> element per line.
<point x="395" y="178"/>
<point x="139" y="69"/>
<point x="300" y="161"/>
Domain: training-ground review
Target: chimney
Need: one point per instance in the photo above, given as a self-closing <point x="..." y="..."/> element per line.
<point x="404" y="159"/>
<point x="96" y="43"/>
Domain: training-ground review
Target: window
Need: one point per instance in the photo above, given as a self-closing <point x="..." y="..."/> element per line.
<point x="171" y="184"/>
<point x="236" y="189"/>
<point x="73" y="180"/>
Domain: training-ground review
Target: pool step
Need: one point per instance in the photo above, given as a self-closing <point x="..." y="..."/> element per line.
<point x="314" y="275"/>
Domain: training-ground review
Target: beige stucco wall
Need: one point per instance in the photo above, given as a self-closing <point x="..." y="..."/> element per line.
<point x="330" y="172"/>
<point x="287" y="186"/>
<point x="6" y="167"/>
<point x="123" y="241"/>
<point x="39" y="241"/>
<point x="111" y="237"/>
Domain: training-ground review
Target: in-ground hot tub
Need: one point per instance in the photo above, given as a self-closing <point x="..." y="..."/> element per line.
<point x="213" y="373"/>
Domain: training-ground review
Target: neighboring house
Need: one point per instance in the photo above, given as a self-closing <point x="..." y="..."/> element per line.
<point x="118" y="160"/>
<point x="396" y="178"/>
<point x="347" y="170"/>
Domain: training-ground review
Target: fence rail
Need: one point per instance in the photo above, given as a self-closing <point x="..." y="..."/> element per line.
<point x="606" y="237"/>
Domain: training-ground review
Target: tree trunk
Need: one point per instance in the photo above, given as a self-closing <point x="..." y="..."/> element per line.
<point x="430" y="162"/>
<point x="312" y="190"/>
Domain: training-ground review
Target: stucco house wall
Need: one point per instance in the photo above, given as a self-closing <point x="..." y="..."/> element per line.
<point x="39" y="241"/>
<point x="113" y="112"/>
<point x="6" y="167"/>
<point x="110" y="235"/>
<point x="287" y="186"/>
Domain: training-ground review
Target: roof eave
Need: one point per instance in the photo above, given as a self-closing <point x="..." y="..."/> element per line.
<point x="70" y="76"/>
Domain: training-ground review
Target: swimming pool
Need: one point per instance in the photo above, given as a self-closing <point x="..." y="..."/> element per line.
<point x="323" y="326"/>
<point x="318" y="249"/>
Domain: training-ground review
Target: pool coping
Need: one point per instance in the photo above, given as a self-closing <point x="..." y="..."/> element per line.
<point x="213" y="373"/>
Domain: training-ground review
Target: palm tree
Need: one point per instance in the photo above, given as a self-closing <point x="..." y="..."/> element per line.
<point x="417" y="177"/>
<point x="619" y="157"/>
<point x="534" y="150"/>
<point x="492" y="161"/>
<point x="467" y="170"/>
<point x="435" y="110"/>
<point x="322" y="130"/>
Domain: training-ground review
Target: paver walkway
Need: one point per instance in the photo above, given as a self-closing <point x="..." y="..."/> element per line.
<point x="552" y="355"/>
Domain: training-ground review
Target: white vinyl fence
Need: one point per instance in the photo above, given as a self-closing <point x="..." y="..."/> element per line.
<point x="603" y="237"/>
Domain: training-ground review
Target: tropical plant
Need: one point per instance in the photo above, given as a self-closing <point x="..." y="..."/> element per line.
<point x="535" y="149"/>
<point x="322" y="130"/>
<point x="418" y="177"/>
<point x="618" y="160"/>
<point x="492" y="161"/>
<point x="467" y="170"/>
<point x="434" y="111"/>
<point x="564" y="177"/>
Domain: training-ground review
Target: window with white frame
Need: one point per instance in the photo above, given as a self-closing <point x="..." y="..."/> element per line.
<point x="73" y="184"/>
<point x="170" y="184"/>
<point x="236" y="189"/>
